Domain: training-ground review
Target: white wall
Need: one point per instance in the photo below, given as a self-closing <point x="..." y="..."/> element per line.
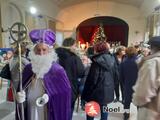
<point x="45" y="7"/>
<point x="148" y="6"/>
<point x="5" y="21"/>
<point x="3" y="90"/>
<point x="59" y="38"/>
<point x="72" y="16"/>
<point x="11" y="15"/>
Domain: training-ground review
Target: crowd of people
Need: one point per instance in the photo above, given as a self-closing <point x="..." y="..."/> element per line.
<point x="54" y="78"/>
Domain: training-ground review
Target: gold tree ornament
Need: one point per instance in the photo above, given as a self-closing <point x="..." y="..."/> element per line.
<point x="99" y="35"/>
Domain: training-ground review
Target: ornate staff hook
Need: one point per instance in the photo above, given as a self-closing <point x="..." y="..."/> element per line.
<point x="18" y="33"/>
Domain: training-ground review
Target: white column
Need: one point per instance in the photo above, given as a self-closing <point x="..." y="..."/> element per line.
<point x="1" y="44"/>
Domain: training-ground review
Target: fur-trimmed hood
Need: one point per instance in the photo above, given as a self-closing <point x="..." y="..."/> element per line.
<point x="157" y="54"/>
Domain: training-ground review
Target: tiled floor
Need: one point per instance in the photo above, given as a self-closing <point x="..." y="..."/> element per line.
<point x="112" y="116"/>
<point x="6" y="108"/>
<point x="7" y="111"/>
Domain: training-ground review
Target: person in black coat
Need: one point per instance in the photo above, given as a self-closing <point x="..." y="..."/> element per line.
<point x="128" y="75"/>
<point x="99" y="85"/>
<point x="72" y="65"/>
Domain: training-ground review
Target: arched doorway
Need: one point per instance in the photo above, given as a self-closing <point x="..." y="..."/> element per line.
<point x="115" y="29"/>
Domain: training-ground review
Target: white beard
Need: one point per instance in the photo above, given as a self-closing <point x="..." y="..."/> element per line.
<point x="41" y="64"/>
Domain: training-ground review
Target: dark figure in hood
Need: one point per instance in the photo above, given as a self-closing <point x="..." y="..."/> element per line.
<point x="72" y="65"/>
<point x="99" y="86"/>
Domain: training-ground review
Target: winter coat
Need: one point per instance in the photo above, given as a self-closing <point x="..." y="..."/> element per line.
<point x="73" y="67"/>
<point x="128" y="76"/>
<point x="99" y="85"/>
<point x="147" y="89"/>
<point x="117" y="79"/>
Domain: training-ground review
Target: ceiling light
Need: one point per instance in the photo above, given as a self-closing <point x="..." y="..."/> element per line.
<point x="33" y="10"/>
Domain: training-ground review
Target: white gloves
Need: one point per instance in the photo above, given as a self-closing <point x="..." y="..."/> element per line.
<point x="41" y="101"/>
<point x="21" y="97"/>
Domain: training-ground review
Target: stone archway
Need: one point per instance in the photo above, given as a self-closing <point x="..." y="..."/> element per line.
<point x="115" y="29"/>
